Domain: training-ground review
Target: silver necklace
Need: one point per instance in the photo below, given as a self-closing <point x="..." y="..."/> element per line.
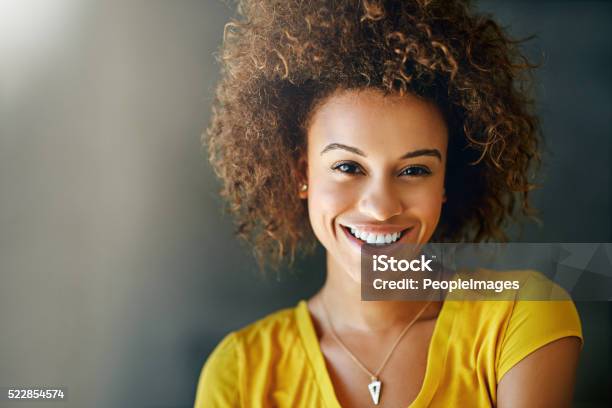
<point x="375" y="385"/>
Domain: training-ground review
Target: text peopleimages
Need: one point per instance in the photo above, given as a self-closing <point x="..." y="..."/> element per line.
<point x="448" y="285"/>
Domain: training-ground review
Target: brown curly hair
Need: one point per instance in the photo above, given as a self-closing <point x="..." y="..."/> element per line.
<point x="281" y="58"/>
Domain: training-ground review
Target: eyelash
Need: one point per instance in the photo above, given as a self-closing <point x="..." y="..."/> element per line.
<point x="424" y="171"/>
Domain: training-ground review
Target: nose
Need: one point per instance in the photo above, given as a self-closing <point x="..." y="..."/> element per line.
<point x="381" y="200"/>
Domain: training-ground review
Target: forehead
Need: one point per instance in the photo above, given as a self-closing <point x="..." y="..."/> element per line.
<point x="370" y="120"/>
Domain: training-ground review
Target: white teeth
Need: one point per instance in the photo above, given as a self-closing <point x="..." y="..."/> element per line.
<point x="373" y="238"/>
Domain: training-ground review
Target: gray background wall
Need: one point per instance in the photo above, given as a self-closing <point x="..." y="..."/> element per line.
<point x="118" y="271"/>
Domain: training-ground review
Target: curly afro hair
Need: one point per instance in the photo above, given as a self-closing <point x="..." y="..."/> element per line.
<point x="280" y="58"/>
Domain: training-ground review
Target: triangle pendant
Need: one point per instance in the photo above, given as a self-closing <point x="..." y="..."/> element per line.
<point x="374" y="388"/>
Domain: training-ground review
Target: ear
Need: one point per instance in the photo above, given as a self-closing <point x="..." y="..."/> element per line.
<point x="443" y="196"/>
<point x="302" y="176"/>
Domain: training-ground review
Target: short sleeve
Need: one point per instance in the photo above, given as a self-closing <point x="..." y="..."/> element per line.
<point x="532" y="325"/>
<point x="218" y="385"/>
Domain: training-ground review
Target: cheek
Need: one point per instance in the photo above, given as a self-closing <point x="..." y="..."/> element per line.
<point x="328" y="198"/>
<point x="426" y="201"/>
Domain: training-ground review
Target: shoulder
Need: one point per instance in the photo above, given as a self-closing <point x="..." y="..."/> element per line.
<point x="514" y="327"/>
<point x="540" y="313"/>
<point x="222" y="375"/>
<point x="217" y="385"/>
<point x="280" y="325"/>
<point x="540" y="347"/>
<point x="541" y="308"/>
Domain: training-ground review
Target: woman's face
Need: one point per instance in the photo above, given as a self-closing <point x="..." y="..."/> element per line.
<point x="375" y="172"/>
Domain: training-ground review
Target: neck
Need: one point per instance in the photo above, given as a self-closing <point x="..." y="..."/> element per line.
<point x="342" y="297"/>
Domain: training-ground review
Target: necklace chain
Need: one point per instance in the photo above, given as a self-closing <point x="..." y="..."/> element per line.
<point x="373" y="375"/>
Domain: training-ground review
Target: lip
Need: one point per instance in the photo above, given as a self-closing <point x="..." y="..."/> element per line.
<point x="357" y="243"/>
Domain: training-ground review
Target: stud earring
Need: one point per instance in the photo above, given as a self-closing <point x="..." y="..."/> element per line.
<point x="304" y="187"/>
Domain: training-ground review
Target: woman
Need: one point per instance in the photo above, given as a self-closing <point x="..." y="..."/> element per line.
<point x="350" y="122"/>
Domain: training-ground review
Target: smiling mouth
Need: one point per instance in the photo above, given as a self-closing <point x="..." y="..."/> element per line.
<point x="376" y="239"/>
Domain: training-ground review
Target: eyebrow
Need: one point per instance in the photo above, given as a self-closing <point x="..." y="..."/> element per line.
<point x="415" y="153"/>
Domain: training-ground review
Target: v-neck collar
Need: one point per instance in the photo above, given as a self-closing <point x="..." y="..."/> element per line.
<point x="436" y="355"/>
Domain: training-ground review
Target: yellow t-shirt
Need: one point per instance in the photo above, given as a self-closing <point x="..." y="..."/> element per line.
<point x="277" y="362"/>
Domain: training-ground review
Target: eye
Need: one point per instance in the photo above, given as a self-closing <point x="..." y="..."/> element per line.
<point x="347" y="168"/>
<point x="416" y="171"/>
